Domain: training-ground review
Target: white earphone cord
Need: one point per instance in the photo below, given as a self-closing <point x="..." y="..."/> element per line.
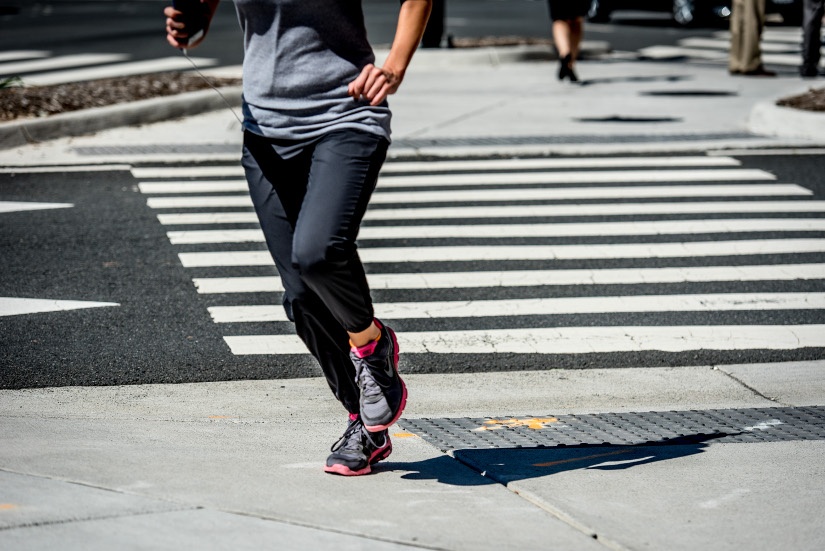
<point x="206" y="80"/>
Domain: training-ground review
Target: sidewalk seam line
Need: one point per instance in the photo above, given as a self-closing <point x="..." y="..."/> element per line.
<point x="750" y="388"/>
<point x="552" y="511"/>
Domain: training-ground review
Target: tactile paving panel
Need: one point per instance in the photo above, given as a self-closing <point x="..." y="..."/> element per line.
<point x="621" y="429"/>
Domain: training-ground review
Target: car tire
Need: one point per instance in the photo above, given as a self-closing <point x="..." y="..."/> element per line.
<point x="599" y="11"/>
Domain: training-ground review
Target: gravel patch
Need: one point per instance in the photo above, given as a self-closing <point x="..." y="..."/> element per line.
<point x="18" y="102"/>
<point x="812" y="100"/>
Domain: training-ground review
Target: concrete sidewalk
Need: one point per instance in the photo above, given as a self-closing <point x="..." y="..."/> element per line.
<point x="238" y="465"/>
<point x="475" y="102"/>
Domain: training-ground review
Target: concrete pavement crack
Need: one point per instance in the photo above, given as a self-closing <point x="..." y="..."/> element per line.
<point x="749" y="387"/>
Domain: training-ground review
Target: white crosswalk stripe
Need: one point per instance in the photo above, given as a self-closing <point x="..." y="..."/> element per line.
<point x="40" y="68"/>
<point x="529" y="230"/>
<point x="503" y="195"/>
<point x="536" y="278"/>
<point x="779" y="47"/>
<point x="692" y="219"/>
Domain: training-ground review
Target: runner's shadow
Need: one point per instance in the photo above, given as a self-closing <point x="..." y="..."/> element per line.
<point x="505" y="465"/>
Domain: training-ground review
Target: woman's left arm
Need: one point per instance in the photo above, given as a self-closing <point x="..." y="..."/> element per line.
<point x="376" y="83"/>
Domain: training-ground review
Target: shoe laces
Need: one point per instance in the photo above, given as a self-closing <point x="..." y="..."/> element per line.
<point x="354" y="438"/>
<point x="366" y="382"/>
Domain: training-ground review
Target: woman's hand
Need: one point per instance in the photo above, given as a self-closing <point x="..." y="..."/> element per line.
<point x="374" y="84"/>
<point x="176" y="32"/>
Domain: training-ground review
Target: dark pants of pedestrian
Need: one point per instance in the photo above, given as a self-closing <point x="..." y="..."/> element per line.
<point x="310" y="207"/>
<point x="811" y="35"/>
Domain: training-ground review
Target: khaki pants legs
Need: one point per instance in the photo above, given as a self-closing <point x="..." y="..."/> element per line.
<point x="746" y="22"/>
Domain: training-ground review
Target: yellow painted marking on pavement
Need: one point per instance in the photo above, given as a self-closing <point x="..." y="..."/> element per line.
<point x="220" y="417"/>
<point x="7" y="506"/>
<point x="535" y="423"/>
<point x="404" y="435"/>
<point x="585" y="458"/>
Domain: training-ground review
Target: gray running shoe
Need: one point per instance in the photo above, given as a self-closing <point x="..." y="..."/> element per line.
<point x="355" y="452"/>
<point x="383" y="393"/>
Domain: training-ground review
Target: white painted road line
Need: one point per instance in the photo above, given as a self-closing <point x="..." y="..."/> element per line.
<point x="675" y="227"/>
<point x="543" y="252"/>
<point x="511" y="194"/>
<point x="610" y="209"/>
<point x="391" y="167"/>
<point x="445" y="213"/>
<point x="578" y="177"/>
<point x="63" y="168"/>
<point x="724" y="45"/>
<point x="199" y="202"/>
<point x="197" y="218"/>
<point x="16" y="55"/>
<point x="536" y="278"/>
<point x="60" y="62"/>
<point x="531" y="194"/>
<point x="20" y="206"/>
<point x="194" y="186"/>
<point x="15" y="306"/>
<point x="722" y="302"/>
<point x="578" y="193"/>
<point x="498" y="178"/>
<point x="572" y="340"/>
<point x="555" y="164"/>
<point x="117" y="70"/>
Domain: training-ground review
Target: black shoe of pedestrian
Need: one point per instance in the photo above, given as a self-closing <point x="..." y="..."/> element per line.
<point x="760" y="71"/>
<point x="809" y="71"/>
<point x="565" y="70"/>
<point x="357" y="450"/>
<point x="383" y="393"/>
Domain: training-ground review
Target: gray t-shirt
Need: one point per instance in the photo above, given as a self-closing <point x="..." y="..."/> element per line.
<point x="299" y="57"/>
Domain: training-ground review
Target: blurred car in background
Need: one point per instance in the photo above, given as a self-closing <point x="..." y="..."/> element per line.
<point x="691" y="12"/>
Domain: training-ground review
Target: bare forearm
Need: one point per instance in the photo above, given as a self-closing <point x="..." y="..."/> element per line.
<point x="376" y="83"/>
<point x="412" y="20"/>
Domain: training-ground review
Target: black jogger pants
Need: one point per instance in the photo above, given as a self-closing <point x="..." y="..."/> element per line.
<point x="310" y="206"/>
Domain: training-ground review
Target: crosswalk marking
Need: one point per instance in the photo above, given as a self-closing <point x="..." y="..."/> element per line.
<point x="551" y="306"/>
<point x="118" y="70"/>
<point x="16" y="55"/>
<point x="614" y="209"/>
<point x="167" y="172"/>
<point x="779" y="47"/>
<point x="20" y="206"/>
<point x="677" y="227"/>
<point x="40" y="68"/>
<point x="530" y="194"/>
<point x="572" y="340"/>
<point x="536" y="278"/>
<point x="722" y="44"/>
<point x="507" y="211"/>
<point x="545" y="178"/>
<point x="720" y="204"/>
<point x="60" y="62"/>
<point x="540" y="252"/>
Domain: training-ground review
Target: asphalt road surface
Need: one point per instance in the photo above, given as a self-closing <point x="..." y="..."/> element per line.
<point x="166" y="299"/>
<point x="135" y="28"/>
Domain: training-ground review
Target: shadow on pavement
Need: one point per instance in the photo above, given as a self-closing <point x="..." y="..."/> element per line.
<point x="632" y="78"/>
<point x="505" y="465"/>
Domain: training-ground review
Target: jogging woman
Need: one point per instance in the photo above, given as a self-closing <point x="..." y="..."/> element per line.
<point x="316" y="132"/>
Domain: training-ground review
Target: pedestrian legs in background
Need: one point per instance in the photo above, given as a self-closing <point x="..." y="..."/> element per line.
<point x="567" y="35"/>
<point x="811" y="37"/>
<point x="746" y="23"/>
<point x="434" y="32"/>
<point x="567" y="18"/>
